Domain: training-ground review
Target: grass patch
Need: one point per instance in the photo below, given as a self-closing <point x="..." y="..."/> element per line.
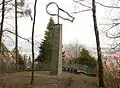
<point x="25" y="73"/>
<point x="22" y="73"/>
<point x="73" y="77"/>
<point x="78" y="77"/>
<point x="91" y="82"/>
<point x="28" y="73"/>
<point x="69" y="81"/>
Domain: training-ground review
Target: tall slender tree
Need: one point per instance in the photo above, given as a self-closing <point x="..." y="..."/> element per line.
<point x="32" y="76"/>
<point x="45" y="46"/>
<point x="1" y="32"/>
<point x="47" y="41"/>
<point x="101" y="81"/>
<point x="16" y="37"/>
<point x="26" y="12"/>
<point x="2" y="23"/>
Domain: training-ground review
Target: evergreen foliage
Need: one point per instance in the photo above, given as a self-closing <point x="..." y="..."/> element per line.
<point x="45" y="46"/>
<point x="86" y="59"/>
<point x="21" y="62"/>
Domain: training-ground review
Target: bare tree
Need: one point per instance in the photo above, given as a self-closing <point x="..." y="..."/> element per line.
<point x="7" y="32"/>
<point x="2" y="22"/>
<point x="101" y="80"/>
<point x="1" y="32"/>
<point x="21" y="4"/>
<point x="32" y="76"/>
<point x="73" y="49"/>
<point x="111" y="25"/>
<point x="16" y="32"/>
<point x="20" y="10"/>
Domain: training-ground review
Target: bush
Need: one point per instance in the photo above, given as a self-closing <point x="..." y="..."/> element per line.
<point x="86" y="59"/>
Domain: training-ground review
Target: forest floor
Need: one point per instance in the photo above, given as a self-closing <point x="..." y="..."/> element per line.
<point x="42" y="79"/>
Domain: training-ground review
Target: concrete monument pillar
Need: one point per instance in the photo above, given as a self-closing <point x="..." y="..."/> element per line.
<point x="56" y="57"/>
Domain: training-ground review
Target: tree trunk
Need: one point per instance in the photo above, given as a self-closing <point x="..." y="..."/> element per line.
<point x="32" y="76"/>
<point x="1" y="31"/>
<point x="16" y="33"/>
<point x="2" y="22"/>
<point x="101" y="81"/>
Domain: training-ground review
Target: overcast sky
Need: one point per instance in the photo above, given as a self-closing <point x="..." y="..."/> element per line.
<point x="81" y="29"/>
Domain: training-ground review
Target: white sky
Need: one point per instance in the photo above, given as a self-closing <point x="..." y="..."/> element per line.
<point x="81" y="29"/>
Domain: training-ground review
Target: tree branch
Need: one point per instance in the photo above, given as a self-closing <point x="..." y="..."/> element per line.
<point x="6" y="2"/>
<point x="107" y="5"/>
<point x="114" y="24"/>
<point x="116" y="46"/>
<point x="113" y="37"/>
<point x="9" y="38"/>
<point x="81" y="11"/>
<point x="17" y="35"/>
<point x="82" y="4"/>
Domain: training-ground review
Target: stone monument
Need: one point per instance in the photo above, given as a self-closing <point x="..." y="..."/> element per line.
<point x="56" y="57"/>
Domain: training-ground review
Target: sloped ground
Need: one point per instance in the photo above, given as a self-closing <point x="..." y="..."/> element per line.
<point x="42" y="80"/>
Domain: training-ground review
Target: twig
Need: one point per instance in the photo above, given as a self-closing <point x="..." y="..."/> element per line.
<point x="82" y="4"/>
<point x="113" y="37"/>
<point x="107" y="5"/>
<point x="17" y="35"/>
<point x="81" y="11"/>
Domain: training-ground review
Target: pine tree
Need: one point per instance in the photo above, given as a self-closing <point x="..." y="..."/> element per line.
<point x="86" y="59"/>
<point x="40" y="57"/>
<point x="48" y="40"/>
<point x="45" y="46"/>
<point x="20" y="62"/>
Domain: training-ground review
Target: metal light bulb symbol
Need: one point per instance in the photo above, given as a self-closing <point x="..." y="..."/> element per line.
<point x="59" y="9"/>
